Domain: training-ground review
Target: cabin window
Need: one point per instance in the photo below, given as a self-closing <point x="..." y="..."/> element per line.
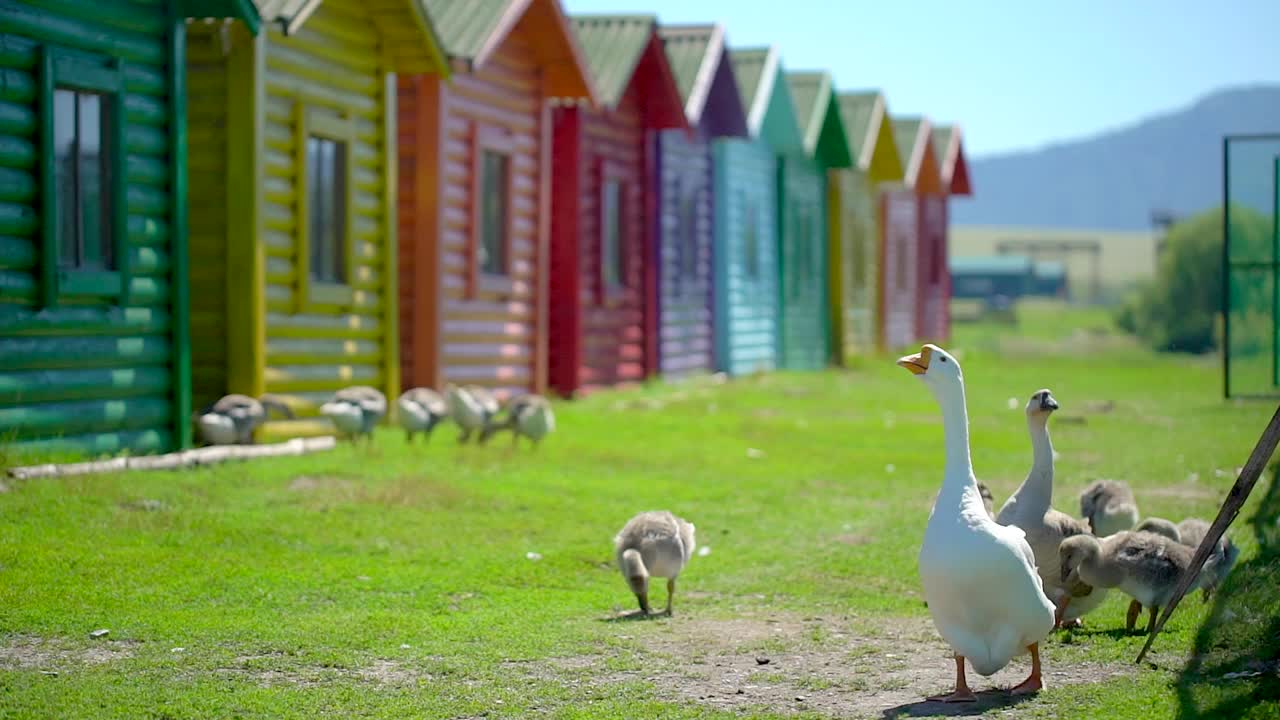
<point x="327" y="208"/>
<point x="858" y="257"/>
<point x="81" y="176"/>
<point x="687" y="273"/>
<point x="495" y="210"/>
<point x="83" y="152"/>
<point x="325" y="249"/>
<point x="612" y="244"/>
<point x="801" y="253"/>
<point x="750" y="239"/>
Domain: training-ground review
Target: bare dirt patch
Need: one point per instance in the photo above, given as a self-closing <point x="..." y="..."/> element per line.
<point x="843" y="666"/>
<point x="29" y="652"/>
<point x="275" y="669"/>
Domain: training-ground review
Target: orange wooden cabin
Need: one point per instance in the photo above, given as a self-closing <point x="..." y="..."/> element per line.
<point x="475" y="194"/>
<point x="953" y="170"/>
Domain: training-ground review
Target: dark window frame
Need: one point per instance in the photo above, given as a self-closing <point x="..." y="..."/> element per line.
<point x="85" y="74"/>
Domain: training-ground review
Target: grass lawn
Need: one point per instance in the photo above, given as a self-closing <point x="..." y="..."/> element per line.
<point x="458" y="582"/>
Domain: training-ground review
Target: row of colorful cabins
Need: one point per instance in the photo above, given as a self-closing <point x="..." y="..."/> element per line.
<point x="200" y="197"/>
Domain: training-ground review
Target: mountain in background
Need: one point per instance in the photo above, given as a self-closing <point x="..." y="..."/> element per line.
<point x="1114" y="181"/>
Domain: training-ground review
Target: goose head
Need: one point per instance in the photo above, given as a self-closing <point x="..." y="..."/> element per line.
<point x="1041" y="406"/>
<point x="937" y="368"/>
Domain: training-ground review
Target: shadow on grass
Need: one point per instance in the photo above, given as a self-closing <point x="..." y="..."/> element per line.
<point x="634" y="615"/>
<point x="1234" y="671"/>
<point x="987" y="700"/>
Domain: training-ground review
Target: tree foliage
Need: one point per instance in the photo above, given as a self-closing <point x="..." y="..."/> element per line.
<point x="1178" y="310"/>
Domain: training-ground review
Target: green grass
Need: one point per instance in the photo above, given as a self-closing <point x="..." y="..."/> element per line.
<point x="396" y="583"/>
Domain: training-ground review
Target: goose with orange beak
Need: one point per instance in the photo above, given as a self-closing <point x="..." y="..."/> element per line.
<point x="979" y="577"/>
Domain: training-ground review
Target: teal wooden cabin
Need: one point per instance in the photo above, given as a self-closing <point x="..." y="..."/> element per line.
<point x="745" y="256"/>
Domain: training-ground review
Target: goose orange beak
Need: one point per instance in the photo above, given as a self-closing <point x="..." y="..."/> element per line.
<point x="917" y="363"/>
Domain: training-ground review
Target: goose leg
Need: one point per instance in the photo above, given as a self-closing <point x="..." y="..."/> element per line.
<point x="1131" y="617"/>
<point x="1033" y="683"/>
<point x="962" y="692"/>
<point x="1151" y="621"/>
<point x="408" y="437"/>
<point x="462" y="436"/>
<point x="671" y="590"/>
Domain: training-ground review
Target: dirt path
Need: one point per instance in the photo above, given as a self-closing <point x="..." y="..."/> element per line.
<point x="837" y="666"/>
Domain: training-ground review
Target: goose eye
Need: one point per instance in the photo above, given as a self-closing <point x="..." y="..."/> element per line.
<point x="944" y="359"/>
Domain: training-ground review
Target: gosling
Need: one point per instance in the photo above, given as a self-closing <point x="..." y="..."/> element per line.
<point x="1109" y="507"/>
<point x="654" y="544"/>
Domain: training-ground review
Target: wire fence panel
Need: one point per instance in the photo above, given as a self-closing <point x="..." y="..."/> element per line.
<point x="1251" y="265"/>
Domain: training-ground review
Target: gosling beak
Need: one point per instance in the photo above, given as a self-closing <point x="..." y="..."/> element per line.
<point x="917" y="363"/>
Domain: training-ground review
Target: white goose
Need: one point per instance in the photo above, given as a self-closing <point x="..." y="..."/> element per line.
<point x="1030" y="508"/>
<point x="979" y="577"/>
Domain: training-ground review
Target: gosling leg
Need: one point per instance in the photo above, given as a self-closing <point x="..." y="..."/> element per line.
<point x="1131" y="617"/>
<point x="1151" y="621"/>
<point x="671" y="591"/>
<point x="643" y="597"/>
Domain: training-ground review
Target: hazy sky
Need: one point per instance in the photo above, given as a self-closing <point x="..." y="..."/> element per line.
<point x="1015" y="74"/>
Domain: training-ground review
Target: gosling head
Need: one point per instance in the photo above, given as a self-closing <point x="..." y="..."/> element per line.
<point x="1041" y="405"/>
<point x="1073" y="551"/>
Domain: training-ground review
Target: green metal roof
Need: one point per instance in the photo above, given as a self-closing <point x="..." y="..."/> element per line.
<point x="991" y="265"/>
<point x="858" y="111"/>
<point x="691" y="51"/>
<point x="906" y="132"/>
<point x="612" y="45"/>
<point x="819" y="119"/>
<point x="749" y="71"/>
<point x="465" y="26"/>
<point x="942" y="137"/>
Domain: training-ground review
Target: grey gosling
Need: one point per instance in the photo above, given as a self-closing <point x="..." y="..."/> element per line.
<point x="653" y="544"/>
<point x="1109" y="507"/>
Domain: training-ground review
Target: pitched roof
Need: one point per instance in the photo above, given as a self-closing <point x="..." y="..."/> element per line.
<point x="613" y="46"/>
<point x="467" y="26"/>
<point x="952" y="165"/>
<point x="473" y="29"/>
<point x="755" y="69"/>
<point x="914" y="140"/>
<point x="871" y="140"/>
<point x="407" y="31"/>
<point x="824" y="132"/>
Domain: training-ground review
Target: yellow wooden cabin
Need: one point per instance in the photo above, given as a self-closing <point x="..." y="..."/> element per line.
<point x="853" y="205"/>
<point x="293" y="199"/>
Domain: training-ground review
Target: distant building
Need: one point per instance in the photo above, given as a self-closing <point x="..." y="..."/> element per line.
<point x="990" y="277"/>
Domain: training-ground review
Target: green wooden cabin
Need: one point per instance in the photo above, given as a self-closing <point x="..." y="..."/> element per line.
<point x="94" y="345"/>
<point x="805" y="340"/>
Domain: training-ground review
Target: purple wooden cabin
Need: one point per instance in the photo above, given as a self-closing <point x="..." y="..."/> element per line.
<point x="700" y="62"/>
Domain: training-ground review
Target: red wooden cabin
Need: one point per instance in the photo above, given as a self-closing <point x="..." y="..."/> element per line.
<point x="906" y="250"/>
<point x="953" y="171"/>
<point x="475" y="194"/>
<point x="604" y="207"/>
